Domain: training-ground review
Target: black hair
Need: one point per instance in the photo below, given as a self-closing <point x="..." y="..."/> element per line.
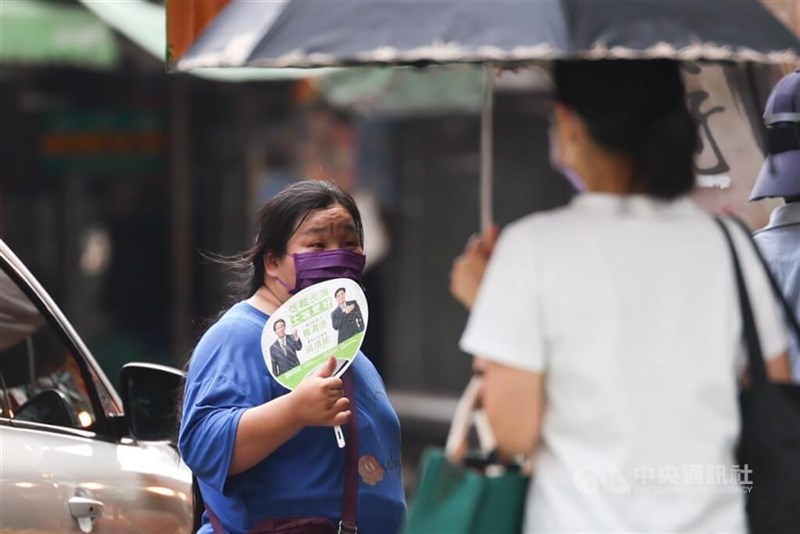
<point x="275" y="324"/>
<point x="336" y="293"/>
<point x="278" y="220"/>
<point x="636" y="108"/>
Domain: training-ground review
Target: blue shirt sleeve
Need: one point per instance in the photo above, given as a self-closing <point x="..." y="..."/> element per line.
<point x="221" y="384"/>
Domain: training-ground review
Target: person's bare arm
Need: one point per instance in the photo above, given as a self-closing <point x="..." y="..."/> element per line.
<point x="317" y="401"/>
<point x="778" y="369"/>
<point x="513" y="400"/>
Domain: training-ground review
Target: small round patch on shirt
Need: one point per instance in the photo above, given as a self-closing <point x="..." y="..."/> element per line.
<point x="370" y="470"/>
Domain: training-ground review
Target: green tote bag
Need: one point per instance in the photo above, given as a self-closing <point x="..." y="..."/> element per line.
<point x="462" y="493"/>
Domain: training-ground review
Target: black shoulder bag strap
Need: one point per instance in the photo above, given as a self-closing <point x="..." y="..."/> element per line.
<point x="755" y="358"/>
<point x="791" y="320"/>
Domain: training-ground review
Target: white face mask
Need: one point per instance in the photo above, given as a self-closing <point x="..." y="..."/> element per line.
<point x="556" y="162"/>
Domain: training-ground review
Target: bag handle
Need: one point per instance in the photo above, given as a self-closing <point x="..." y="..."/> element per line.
<point x="466" y="415"/>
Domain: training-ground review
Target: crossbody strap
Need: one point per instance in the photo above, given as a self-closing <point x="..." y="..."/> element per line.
<point x="350" y="498"/>
<point x="791" y="319"/>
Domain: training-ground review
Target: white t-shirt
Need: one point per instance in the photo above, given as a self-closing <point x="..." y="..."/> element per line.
<point x="628" y="306"/>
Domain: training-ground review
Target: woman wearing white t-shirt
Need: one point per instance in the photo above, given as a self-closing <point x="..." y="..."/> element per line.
<point x="608" y="331"/>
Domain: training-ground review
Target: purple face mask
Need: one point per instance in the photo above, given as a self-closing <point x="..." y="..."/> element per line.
<point x="313" y="267"/>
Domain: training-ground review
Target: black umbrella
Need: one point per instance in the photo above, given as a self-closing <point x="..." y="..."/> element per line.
<point x="317" y="33"/>
<point x="314" y="33"/>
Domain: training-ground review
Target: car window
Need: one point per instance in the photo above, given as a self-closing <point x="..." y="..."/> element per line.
<point x="42" y="379"/>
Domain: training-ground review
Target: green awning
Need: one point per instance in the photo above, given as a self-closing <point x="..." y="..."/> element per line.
<point x="38" y="32"/>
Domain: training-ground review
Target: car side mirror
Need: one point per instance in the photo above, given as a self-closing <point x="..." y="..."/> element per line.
<point x="50" y="407"/>
<point x="150" y="395"/>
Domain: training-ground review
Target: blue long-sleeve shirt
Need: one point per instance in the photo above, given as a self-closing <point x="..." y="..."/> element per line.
<point x="304" y="477"/>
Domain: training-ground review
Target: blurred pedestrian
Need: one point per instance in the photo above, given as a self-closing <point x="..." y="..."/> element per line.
<point x="261" y="453"/>
<point x="779" y="241"/>
<point x="608" y="331"/>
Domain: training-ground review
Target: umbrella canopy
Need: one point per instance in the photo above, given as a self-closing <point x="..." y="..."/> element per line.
<point x="41" y="32"/>
<point x="297" y="33"/>
<point x="301" y="33"/>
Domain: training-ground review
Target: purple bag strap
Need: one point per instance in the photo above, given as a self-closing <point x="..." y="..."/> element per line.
<point x="350" y="498"/>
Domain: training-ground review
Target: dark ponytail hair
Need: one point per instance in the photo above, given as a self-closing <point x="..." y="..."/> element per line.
<point x="636" y="109"/>
<point x="278" y="220"/>
<point x="667" y="158"/>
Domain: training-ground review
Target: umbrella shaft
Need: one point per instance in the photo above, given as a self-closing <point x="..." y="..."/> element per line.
<point x="486" y="146"/>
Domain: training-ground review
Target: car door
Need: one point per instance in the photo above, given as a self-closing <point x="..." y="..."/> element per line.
<point x="28" y="495"/>
<point x="66" y="464"/>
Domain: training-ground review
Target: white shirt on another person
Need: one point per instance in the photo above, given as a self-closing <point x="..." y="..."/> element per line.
<point x="628" y="306"/>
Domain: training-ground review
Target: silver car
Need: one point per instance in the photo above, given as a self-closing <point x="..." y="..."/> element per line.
<point x="74" y="456"/>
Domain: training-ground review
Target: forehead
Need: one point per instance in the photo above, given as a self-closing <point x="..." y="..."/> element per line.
<point x="335" y="217"/>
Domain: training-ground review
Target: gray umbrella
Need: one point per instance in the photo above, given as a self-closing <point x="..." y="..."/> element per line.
<point x="314" y="33"/>
<point x="318" y="33"/>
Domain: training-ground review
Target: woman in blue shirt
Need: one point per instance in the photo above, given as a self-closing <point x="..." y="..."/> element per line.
<point x="261" y="451"/>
